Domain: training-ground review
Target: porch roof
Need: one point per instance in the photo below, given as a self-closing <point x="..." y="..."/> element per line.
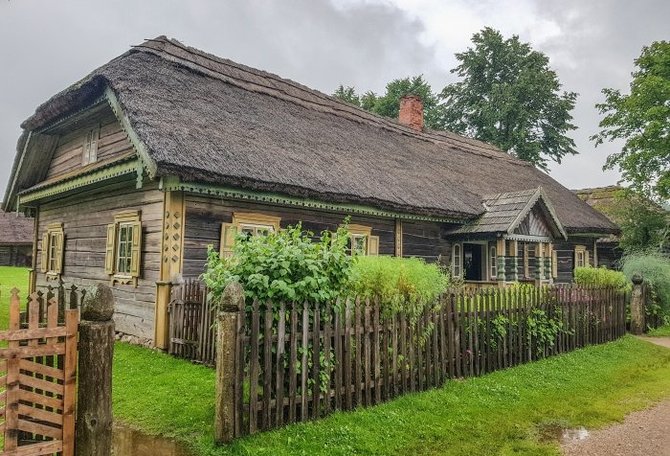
<point x="506" y="211"/>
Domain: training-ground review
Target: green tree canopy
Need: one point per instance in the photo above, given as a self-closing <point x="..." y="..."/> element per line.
<point x="508" y="96"/>
<point x="642" y="120"/>
<point x="388" y="104"/>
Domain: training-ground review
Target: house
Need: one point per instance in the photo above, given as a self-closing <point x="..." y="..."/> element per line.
<point x="133" y="171"/>
<point x="616" y="204"/>
<point x="16" y="239"/>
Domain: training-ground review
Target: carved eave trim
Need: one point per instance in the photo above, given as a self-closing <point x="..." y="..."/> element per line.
<point x="108" y="172"/>
<point x="142" y="151"/>
<point x="173" y="184"/>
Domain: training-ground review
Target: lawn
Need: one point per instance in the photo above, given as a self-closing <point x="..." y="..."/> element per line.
<point x="505" y="412"/>
<point x="663" y="331"/>
<point x="11" y="277"/>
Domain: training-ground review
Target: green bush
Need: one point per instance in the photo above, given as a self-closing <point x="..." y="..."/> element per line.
<point x="403" y="285"/>
<point x="655" y="270"/>
<point x="284" y="266"/>
<point x="602" y="277"/>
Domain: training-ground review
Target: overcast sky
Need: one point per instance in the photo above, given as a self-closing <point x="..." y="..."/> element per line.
<point x="47" y="45"/>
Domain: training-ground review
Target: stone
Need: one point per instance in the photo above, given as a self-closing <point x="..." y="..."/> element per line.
<point x="98" y="305"/>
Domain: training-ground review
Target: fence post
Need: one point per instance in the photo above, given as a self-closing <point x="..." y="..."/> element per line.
<point x="96" y="349"/>
<point x="226" y="341"/>
<point x="637" y="306"/>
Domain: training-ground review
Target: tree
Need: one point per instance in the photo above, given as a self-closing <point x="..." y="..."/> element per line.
<point x="645" y="226"/>
<point x="642" y="120"/>
<point x="388" y="104"/>
<point x="347" y="94"/>
<point x="508" y="96"/>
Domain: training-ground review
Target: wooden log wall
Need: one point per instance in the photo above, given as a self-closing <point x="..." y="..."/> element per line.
<point x="204" y="216"/>
<point x="85" y="217"/>
<point x="565" y="252"/>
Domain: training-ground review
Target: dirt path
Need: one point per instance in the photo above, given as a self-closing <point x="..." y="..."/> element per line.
<point x="646" y="432"/>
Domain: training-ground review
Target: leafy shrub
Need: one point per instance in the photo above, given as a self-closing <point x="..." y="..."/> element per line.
<point x="602" y="277"/>
<point x="284" y="266"/>
<point x="655" y="270"/>
<point x="403" y="285"/>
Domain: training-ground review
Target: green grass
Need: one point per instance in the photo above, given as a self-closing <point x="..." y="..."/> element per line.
<point x="501" y="413"/>
<point x="11" y="277"/>
<point x="663" y="331"/>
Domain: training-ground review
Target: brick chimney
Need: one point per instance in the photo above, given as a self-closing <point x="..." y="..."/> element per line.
<point x="411" y="112"/>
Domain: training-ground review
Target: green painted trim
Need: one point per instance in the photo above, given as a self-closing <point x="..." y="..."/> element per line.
<point x="173" y="184"/>
<point x="526" y="238"/>
<point x="140" y="147"/>
<point x="120" y="169"/>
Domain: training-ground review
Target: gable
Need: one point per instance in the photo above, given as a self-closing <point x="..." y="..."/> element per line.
<point x="112" y="142"/>
<point x="535" y="224"/>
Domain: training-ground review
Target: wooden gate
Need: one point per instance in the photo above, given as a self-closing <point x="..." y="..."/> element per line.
<point x="40" y="362"/>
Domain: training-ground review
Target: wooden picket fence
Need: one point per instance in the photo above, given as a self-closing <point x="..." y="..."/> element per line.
<point x="40" y="365"/>
<point x="297" y="362"/>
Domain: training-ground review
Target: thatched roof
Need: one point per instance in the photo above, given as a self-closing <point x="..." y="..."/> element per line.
<point x="15" y="229"/>
<point x="506" y="211"/>
<point x="207" y="119"/>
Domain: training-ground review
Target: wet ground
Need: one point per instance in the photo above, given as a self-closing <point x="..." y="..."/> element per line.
<point x="129" y="442"/>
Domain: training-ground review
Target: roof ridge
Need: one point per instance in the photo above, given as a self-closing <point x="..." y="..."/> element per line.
<point x="332" y="105"/>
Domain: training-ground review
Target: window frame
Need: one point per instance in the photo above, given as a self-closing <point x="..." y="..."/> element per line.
<point x="457" y="266"/>
<point x="252" y="220"/>
<point x="122" y="221"/>
<point x="493" y="262"/>
<point x="363" y="232"/>
<point x="53" y="244"/>
<point x="90" y="148"/>
<point x="580" y="250"/>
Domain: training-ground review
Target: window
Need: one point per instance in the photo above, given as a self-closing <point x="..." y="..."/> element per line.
<point x="90" y="152"/>
<point x="554" y="263"/>
<point x="581" y="257"/>
<point x="52" y="250"/>
<point x="361" y="241"/>
<point x="457" y="260"/>
<point x="249" y="224"/>
<point x="493" y="265"/>
<point x="123" y="249"/>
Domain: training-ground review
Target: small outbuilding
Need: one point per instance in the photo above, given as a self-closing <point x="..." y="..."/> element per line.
<point x="16" y="239"/>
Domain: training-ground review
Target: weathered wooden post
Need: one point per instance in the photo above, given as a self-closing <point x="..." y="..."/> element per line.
<point x="226" y="349"/>
<point x="96" y="349"/>
<point x="637" y="306"/>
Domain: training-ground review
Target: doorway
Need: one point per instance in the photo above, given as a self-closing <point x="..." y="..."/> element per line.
<point x="474" y="262"/>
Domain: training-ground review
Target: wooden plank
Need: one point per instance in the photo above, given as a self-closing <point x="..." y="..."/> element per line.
<point x="347" y="357"/>
<point x="70" y="382"/>
<point x="36" y="449"/>
<point x="44" y="385"/>
<point x="358" y="371"/>
<point x="45" y="401"/>
<point x="401" y="368"/>
<point x="281" y="347"/>
<point x="376" y="353"/>
<point x="292" y="374"/>
<point x="266" y="415"/>
<point x="12" y="401"/>
<point x="367" y="353"/>
<point x="437" y="357"/>
<point x="339" y="361"/>
<point x="16" y="353"/>
<point x="254" y="368"/>
<point x="396" y="380"/>
<point x="240" y="368"/>
<point x="304" y="364"/>
<point x="43" y="369"/>
<point x="327" y="360"/>
<point x="451" y="343"/>
<point x="30" y="334"/>
<point x="40" y="414"/>
<point x="42" y="429"/>
<point x="316" y="364"/>
<point x="418" y="348"/>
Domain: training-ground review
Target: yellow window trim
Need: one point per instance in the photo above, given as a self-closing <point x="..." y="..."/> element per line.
<point x="133" y="220"/>
<point x="372" y="242"/>
<point x="254" y="218"/>
<point x="54" y="230"/>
